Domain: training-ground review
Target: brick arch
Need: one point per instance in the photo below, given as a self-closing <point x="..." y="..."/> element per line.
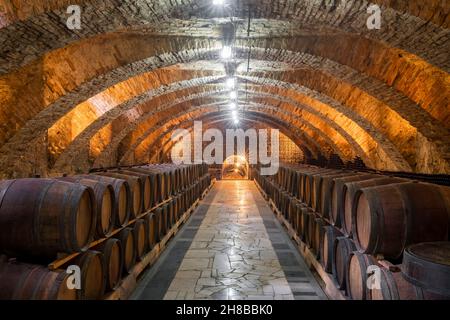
<point x="22" y="147"/>
<point x="310" y="116"/>
<point x="86" y="84"/>
<point x="74" y="149"/>
<point x="175" y="118"/>
<point x="216" y="117"/>
<point x="289" y="119"/>
<point x="164" y="144"/>
<point x="38" y="22"/>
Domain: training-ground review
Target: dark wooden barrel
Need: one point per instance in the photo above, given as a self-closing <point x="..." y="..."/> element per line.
<point x="307" y="213"/>
<point x="126" y="238"/>
<point x="165" y="218"/>
<point x="155" y="183"/>
<point x="310" y="232"/>
<point x="135" y="184"/>
<point x="336" y="196"/>
<point x="111" y="250"/>
<point x="291" y="209"/>
<point x="140" y="239"/>
<point x="151" y="230"/>
<point x="326" y="190"/>
<point x="316" y="186"/>
<point x="393" y="286"/>
<point x="309" y="184"/>
<point x="390" y="217"/>
<point x="22" y="281"/>
<point x="330" y="234"/>
<point x="146" y="187"/>
<point x="104" y="198"/>
<point x="295" y="188"/>
<point x="427" y="265"/>
<point x="122" y="197"/>
<point x="160" y="223"/>
<point x="92" y="275"/>
<point x="302" y="181"/>
<point x="359" y="266"/>
<point x="42" y="217"/>
<point x="317" y="237"/>
<point x="170" y="215"/>
<point x="296" y="223"/>
<point x="161" y="180"/>
<point x="177" y="208"/>
<point x="343" y="247"/>
<point x="348" y="193"/>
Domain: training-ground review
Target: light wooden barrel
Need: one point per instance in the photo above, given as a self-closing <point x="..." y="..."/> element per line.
<point x="23" y="281"/>
<point x="122" y="197"/>
<point x="135" y="184"/>
<point x="104" y="198"/>
<point x="42" y="217"/>
<point x="390" y="217"/>
<point x="126" y="238"/>
<point x="348" y="193"/>
<point x="112" y="261"/>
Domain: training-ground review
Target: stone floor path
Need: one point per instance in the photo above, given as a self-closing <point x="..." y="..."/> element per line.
<point x="232" y="248"/>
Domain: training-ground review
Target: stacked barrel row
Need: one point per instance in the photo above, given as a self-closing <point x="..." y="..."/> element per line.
<point x="110" y="218"/>
<point x="363" y="228"/>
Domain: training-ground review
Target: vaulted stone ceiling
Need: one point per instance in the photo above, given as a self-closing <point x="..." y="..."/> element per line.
<point x="113" y="91"/>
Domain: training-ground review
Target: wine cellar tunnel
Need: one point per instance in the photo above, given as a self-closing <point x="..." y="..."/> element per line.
<point x="111" y="112"/>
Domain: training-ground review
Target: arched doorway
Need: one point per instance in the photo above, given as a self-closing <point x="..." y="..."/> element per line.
<point x="235" y="168"/>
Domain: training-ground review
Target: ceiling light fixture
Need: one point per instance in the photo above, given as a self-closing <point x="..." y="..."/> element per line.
<point x="234" y="113"/>
<point x="231" y="83"/>
<point x="236" y="121"/>
<point x="227" y="53"/>
<point x="233" y="95"/>
<point x="232" y="105"/>
<point x="218" y="2"/>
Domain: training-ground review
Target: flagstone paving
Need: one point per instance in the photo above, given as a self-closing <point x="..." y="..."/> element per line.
<point x="232" y="248"/>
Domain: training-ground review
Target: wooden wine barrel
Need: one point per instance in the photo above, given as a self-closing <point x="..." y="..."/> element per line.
<point x="111" y="250"/>
<point x="155" y="183"/>
<point x="135" y="184"/>
<point x="309" y="187"/>
<point x="165" y="218"/>
<point x="146" y="187"/>
<point x="160" y="223"/>
<point x="296" y="223"/>
<point x="104" y="198"/>
<point x="310" y="232"/>
<point x="330" y="234"/>
<point x="92" y="275"/>
<point x="179" y="212"/>
<point x="348" y="193"/>
<point x="317" y="237"/>
<point x="291" y="210"/>
<point x="427" y="265"/>
<point x="359" y="266"/>
<point x="22" y="281"/>
<point x="176" y="181"/>
<point x="170" y="216"/>
<point x="151" y="230"/>
<point x="343" y="247"/>
<point x="140" y="239"/>
<point x="307" y="214"/>
<point x="390" y="217"/>
<point x="122" y="197"/>
<point x="327" y="184"/>
<point x="126" y="237"/>
<point x="337" y="199"/>
<point x="41" y="217"/>
<point x="394" y="287"/>
<point x="302" y="179"/>
<point x="316" y="186"/>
